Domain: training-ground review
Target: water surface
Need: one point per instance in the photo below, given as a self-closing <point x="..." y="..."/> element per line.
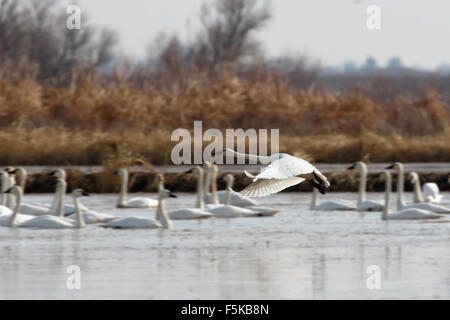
<point x="298" y="254"/>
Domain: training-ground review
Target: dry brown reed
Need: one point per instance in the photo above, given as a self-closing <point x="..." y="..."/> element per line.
<point x="96" y="121"/>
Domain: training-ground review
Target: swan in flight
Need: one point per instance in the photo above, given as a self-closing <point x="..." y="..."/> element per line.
<point x="429" y="192"/>
<point x="405" y="214"/>
<point x="400" y="197"/>
<point x="363" y="204"/>
<point x="138" y="222"/>
<point x="283" y="171"/>
<point x="140" y="202"/>
<point x="331" y="205"/>
<point x="192" y="213"/>
<point x="227" y="210"/>
<point x="46" y="221"/>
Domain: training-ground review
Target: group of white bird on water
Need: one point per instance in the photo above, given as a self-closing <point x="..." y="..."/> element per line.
<point x="282" y="172"/>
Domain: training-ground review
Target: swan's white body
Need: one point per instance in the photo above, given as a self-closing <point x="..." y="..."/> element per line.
<point x="138" y="222"/>
<point x="331" y="205"/>
<point x="47" y="221"/>
<point x="400" y="196"/>
<point x="91" y="217"/>
<point x="138" y="202"/>
<point x="429" y="192"/>
<point x="363" y="204"/>
<point x="405" y="214"/>
<point x="283" y="171"/>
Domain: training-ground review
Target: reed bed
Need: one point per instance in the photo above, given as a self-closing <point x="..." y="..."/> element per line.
<point x="92" y="119"/>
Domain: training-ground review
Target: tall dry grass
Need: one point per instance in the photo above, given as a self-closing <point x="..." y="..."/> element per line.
<point x="93" y="119"/>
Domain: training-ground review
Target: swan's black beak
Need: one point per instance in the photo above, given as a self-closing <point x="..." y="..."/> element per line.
<point x="51" y="173"/>
<point x="353" y="166"/>
<point x="392" y="166"/>
<point x="190" y="170"/>
<point x="85" y="194"/>
<point x="116" y="172"/>
<point x="8" y="191"/>
<point x="172" y="195"/>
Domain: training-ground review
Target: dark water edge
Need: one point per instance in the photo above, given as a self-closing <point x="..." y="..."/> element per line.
<point x="140" y="180"/>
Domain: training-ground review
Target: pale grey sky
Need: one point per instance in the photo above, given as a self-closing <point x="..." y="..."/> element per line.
<point x="333" y="31"/>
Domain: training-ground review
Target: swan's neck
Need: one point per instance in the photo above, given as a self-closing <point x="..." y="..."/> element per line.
<point x="123" y="189"/>
<point x="3" y="189"/>
<point x="214" y="187"/>
<point x="200" y="199"/>
<point x="207" y="183"/>
<point x="162" y="214"/>
<point x="61" y="192"/>
<point x="400" y="187"/>
<point x="418" y="197"/>
<point x="253" y="158"/>
<point x="10" y="199"/>
<point x="80" y="218"/>
<point x="22" y="178"/>
<point x="315" y="200"/>
<point x="362" y="183"/>
<point x="18" y="197"/>
<point x="387" y="195"/>
<point x="228" y="193"/>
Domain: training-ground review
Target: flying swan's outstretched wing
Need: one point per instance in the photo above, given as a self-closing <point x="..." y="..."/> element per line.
<point x="282" y="173"/>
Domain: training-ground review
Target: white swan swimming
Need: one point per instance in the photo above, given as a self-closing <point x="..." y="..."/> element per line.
<point x="48" y="221"/>
<point x="193" y="213"/>
<point x="405" y="214"/>
<point x="138" y="222"/>
<point x="258" y="210"/>
<point x="236" y="199"/>
<point x="140" y="202"/>
<point x="227" y="210"/>
<point x="68" y="208"/>
<point x="429" y="192"/>
<point x="331" y="205"/>
<point x="363" y="204"/>
<point x="6" y="217"/>
<point x="283" y="171"/>
<point x="400" y="197"/>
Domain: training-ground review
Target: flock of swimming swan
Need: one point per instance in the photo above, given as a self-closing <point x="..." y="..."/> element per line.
<point x="283" y="171"/>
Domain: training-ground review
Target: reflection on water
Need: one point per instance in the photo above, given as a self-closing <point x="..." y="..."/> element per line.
<point x="297" y="254"/>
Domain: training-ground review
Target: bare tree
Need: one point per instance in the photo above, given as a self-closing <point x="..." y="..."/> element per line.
<point x="34" y="31"/>
<point x="227" y="29"/>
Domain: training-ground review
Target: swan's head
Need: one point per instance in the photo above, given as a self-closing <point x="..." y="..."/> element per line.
<point x="77" y="193"/>
<point x="413" y="177"/>
<point x="10" y="170"/>
<point x="386" y="175"/>
<point x="357" y="165"/>
<point x="396" y="165"/>
<point x="120" y="172"/>
<point x="58" y="173"/>
<point x="196" y="170"/>
<point x="165" y="194"/>
<point x="14" y="190"/>
<point x="160" y="177"/>
<point x="228" y="178"/>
